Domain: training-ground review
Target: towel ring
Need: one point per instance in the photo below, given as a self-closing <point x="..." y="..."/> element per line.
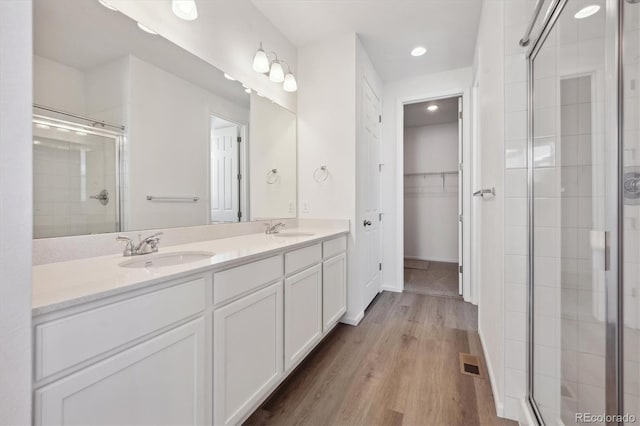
<point x="321" y="174"/>
<point x="272" y="176"/>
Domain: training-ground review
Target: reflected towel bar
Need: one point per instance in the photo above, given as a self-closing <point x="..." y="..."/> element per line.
<point x="171" y="199"/>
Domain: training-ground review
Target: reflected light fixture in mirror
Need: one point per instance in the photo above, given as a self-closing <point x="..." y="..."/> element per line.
<point x="146" y="29"/>
<point x="587" y="11"/>
<point x="107" y="5"/>
<point x="185" y="9"/>
<point x="290" y="84"/>
<point x="228" y="77"/>
<point x="432" y="108"/>
<point x="418" y="51"/>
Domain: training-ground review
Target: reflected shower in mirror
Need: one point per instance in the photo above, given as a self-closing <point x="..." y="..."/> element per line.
<point x="132" y="132"/>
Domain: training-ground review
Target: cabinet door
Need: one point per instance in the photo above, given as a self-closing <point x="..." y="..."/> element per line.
<point x="334" y="290"/>
<point x="247" y="353"/>
<point x="159" y="381"/>
<point x="302" y="314"/>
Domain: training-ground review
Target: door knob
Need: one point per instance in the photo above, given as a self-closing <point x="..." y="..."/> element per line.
<point x="367" y="223"/>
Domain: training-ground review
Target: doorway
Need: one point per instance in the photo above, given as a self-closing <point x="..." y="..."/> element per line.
<point x="227" y="180"/>
<point x="433" y="197"/>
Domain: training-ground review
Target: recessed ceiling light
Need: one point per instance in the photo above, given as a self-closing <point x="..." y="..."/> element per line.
<point x="146" y="29"/>
<point x="418" y="51"/>
<point x="107" y="5"/>
<point x="587" y="11"/>
<point x="228" y="77"/>
<point x="432" y="108"/>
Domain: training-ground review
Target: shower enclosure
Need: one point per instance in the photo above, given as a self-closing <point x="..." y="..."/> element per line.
<point x="584" y="214"/>
<point x="76" y="178"/>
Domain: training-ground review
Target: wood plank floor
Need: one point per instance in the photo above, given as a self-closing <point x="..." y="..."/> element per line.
<point x="399" y="366"/>
<point x="431" y="278"/>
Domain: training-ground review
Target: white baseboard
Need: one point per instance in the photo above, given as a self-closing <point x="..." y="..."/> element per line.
<point x="432" y="259"/>
<point x="394" y="289"/>
<point x="496" y="396"/>
<point x="352" y="320"/>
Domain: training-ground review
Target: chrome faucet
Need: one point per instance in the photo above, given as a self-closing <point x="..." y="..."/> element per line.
<point x="145" y="246"/>
<point x="273" y="229"/>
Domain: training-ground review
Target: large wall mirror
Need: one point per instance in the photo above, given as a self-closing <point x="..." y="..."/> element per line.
<point x="132" y="132"/>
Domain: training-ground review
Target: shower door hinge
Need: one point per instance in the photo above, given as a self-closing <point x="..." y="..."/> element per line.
<point x="459" y="269"/>
<point x="239" y="139"/>
<point x="380" y="217"/>
<point x="460" y="115"/>
<point x="460" y="218"/>
<point x="379" y="119"/>
<point x="380" y="266"/>
<point x="460" y="166"/>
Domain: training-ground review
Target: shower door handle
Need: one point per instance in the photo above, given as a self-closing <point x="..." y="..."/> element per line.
<point x="601" y="240"/>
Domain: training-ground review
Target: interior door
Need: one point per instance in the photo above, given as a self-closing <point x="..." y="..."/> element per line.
<point x="460" y="199"/>
<point x="225" y="199"/>
<point x="369" y="163"/>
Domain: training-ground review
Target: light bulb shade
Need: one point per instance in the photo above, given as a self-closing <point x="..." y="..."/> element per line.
<point x="290" y="84"/>
<point x="261" y="62"/>
<point x="277" y="73"/>
<point x="185" y="9"/>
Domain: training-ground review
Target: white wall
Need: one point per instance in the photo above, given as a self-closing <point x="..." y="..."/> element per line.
<point x="489" y="63"/>
<point x="429" y="86"/>
<point x="15" y="211"/>
<point x="272" y="146"/>
<point x="327" y="136"/>
<point x="431" y="208"/>
<point x="431" y="148"/>
<point x="226" y="34"/>
<point x="58" y="86"/>
<point x="168" y="142"/>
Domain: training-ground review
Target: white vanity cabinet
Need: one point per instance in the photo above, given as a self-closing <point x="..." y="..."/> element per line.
<point x="207" y="348"/>
<point x="247" y="354"/>
<point x="334" y="281"/>
<point x="138" y="360"/>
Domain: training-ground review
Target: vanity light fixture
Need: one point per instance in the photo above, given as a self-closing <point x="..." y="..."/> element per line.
<point x="146" y="29"/>
<point x="261" y="61"/>
<point x="587" y="11"/>
<point x="276" y="74"/>
<point x="185" y="9"/>
<point x="274" y="69"/>
<point x="432" y="108"/>
<point x="418" y="51"/>
<point x="106" y="4"/>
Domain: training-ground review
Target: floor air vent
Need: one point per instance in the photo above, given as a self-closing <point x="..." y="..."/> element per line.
<point x="470" y="365"/>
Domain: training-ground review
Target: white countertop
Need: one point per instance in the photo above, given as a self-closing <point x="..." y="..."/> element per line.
<point x="62" y="285"/>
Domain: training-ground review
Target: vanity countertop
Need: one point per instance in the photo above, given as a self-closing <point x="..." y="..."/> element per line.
<point x="62" y="285"/>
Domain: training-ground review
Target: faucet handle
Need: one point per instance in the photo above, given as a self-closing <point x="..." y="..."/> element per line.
<point x="128" y="248"/>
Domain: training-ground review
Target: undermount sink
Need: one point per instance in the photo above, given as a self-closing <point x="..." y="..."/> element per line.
<point x="168" y="259"/>
<point x="293" y="234"/>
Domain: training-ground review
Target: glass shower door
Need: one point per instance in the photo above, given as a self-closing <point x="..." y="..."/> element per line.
<point x="572" y="167"/>
<point x="631" y="210"/>
<point x="75" y="179"/>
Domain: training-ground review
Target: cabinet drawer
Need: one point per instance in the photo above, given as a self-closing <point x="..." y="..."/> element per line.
<point x="242" y="279"/>
<point x="335" y="246"/>
<point x="68" y="341"/>
<point x="297" y="260"/>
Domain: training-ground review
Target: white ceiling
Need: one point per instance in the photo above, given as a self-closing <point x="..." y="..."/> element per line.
<point x="83" y="34"/>
<point x="389" y="29"/>
<point x="416" y="115"/>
